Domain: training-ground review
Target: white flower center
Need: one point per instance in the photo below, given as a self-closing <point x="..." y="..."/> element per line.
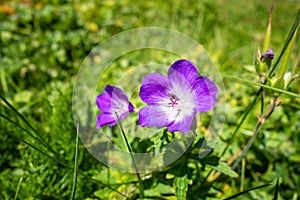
<point x="183" y="103"/>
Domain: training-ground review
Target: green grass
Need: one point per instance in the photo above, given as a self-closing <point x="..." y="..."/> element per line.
<point x="42" y="45"/>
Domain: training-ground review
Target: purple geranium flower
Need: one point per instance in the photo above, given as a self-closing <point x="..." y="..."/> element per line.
<point x="114" y="104"/>
<point x="173" y="101"/>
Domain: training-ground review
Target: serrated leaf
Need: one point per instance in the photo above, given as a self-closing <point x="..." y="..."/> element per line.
<point x="225" y="169"/>
<point x="181" y="185"/>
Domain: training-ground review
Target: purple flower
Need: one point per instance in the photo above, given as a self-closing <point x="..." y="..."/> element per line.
<point x="267" y="55"/>
<point x="173" y="101"/>
<point x="114" y="105"/>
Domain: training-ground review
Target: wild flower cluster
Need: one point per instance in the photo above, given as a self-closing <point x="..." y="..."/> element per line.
<point x="173" y="101"/>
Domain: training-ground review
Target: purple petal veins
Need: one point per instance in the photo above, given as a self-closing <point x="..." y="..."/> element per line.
<point x="114" y="105"/>
<point x="173" y="101"/>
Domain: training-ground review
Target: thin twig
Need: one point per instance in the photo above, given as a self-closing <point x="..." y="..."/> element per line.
<point x="260" y="122"/>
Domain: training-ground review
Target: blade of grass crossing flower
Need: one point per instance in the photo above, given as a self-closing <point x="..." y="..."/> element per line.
<point x="246" y="191"/>
<point x="75" y="175"/>
<point x="141" y="186"/>
<point x="276" y="190"/>
<point x="289" y="38"/>
<point x="263" y="85"/>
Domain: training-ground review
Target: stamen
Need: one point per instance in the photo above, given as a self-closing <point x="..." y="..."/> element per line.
<point x="173" y="99"/>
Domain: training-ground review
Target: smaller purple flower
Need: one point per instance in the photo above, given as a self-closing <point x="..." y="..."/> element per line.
<point x="173" y="101"/>
<point x="267" y="55"/>
<point x="114" y="105"/>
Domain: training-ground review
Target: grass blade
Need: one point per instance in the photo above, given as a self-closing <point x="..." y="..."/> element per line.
<point x="64" y="164"/>
<point x="246" y="191"/>
<point x="289" y="38"/>
<point x="75" y="166"/>
<point x="276" y="190"/>
<point x="18" y="188"/>
<point x="36" y="148"/>
<point x="41" y="140"/>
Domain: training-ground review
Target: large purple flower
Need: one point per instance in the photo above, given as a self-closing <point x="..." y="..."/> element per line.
<point x="173" y="101"/>
<point x="114" y="105"/>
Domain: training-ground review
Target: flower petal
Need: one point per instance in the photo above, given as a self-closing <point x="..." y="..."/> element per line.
<point x="206" y="91"/>
<point x="116" y="93"/>
<point x="103" y="102"/>
<point x="155" y="78"/>
<point x="182" y="124"/>
<point x="156" y="115"/>
<point x="154" y="89"/>
<point x="114" y="104"/>
<point x="184" y="67"/>
<point x="104" y="119"/>
<point x="130" y="107"/>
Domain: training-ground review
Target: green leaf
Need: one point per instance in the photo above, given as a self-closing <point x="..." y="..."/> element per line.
<point x="181" y="185"/>
<point x="159" y="189"/>
<point x="23" y="96"/>
<point x="225" y="169"/>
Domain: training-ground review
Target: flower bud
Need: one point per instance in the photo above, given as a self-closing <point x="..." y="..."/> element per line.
<point x="287" y="79"/>
<point x="267" y="57"/>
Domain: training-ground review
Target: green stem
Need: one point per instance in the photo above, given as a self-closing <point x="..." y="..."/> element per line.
<point x="263" y="86"/>
<point x="255" y="132"/>
<point x="18" y="188"/>
<point x="243" y="174"/>
<point x="262" y="102"/>
<point x="141" y="186"/>
<point x="249" y="108"/>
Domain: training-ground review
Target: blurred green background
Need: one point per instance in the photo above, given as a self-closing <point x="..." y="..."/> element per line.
<point x="43" y="43"/>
